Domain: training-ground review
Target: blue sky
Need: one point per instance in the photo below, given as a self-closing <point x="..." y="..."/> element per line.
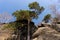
<point x="10" y="6"/>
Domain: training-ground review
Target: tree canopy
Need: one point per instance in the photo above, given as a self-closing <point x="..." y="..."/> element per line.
<point x="37" y="8"/>
<point x="24" y="14"/>
<point x="47" y="17"/>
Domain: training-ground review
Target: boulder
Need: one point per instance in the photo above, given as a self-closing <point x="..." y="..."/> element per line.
<point x="46" y="33"/>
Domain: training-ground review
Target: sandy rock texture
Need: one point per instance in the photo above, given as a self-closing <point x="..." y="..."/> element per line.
<point x="46" y="33"/>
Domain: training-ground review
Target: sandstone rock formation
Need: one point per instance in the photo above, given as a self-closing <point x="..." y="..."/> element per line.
<point x="46" y="33"/>
<point x="6" y="33"/>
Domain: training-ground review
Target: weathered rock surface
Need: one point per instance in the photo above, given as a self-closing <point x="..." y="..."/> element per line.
<point x="46" y="33"/>
<point x="4" y="34"/>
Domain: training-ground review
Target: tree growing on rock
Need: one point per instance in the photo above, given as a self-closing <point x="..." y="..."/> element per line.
<point x="29" y="15"/>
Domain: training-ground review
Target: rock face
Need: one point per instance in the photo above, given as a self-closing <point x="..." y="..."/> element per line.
<point x="46" y="33"/>
<point x="4" y="34"/>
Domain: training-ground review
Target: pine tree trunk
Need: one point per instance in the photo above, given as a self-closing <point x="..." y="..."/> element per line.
<point x="18" y="37"/>
<point x="28" y="36"/>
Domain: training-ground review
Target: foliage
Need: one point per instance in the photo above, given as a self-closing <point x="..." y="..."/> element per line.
<point x="24" y="14"/>
<point x="47" y="17"/>
<point x="10" y="26"/>
<point x="38" y="9"/>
